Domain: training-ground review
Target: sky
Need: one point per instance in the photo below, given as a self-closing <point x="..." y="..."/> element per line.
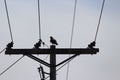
<point x="56" y="21"/>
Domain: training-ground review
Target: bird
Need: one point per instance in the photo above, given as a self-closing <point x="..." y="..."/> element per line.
<point x="53" y="41"/>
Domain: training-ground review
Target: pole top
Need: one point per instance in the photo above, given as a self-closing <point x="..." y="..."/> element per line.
<point x="52" y="46"/>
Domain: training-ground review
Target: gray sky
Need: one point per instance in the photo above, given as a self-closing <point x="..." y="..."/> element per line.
<point x="56" y="21"/>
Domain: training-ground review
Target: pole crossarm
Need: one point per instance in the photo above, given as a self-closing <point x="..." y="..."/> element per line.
<point x="48" y="51"/>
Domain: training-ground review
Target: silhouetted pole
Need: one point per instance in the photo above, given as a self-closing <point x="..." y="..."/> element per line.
<point x="52" y="63"/>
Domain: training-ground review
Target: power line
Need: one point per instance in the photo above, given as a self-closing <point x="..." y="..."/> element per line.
<point x="71" y="40"/>
<point x="8" y="20"/>
<point x="46" y="57"/>
<point x="11" y="65"/>
<point x="99" y="21"/>
<point x="39" y="19"/>
<point x="2" y="50"/>
<point x="73" y="23"/>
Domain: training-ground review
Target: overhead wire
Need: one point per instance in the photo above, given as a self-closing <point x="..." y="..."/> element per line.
<point x="8" y="19"/>
<point x="2" y="50"/>
<point x="73" y="23"/>
<point x="39" y="23"/>
<point x="71" y="39"/>
<point x="11" y="65"/>
<point x="99" y="21"/>
<point x="39" y="19"/>
<point x="46" y="57"/>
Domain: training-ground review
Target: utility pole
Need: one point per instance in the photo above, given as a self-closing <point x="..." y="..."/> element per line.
<point x="52" y="51"/>
<point x="52" y="64"/>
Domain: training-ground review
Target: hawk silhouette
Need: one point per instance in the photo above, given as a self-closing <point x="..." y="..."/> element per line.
<point x="53" y="41"/>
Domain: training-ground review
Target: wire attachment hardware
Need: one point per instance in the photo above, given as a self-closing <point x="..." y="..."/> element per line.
<point x="41" y="72"/>
<point x="9" y="45"/>
<point x="91" y="45"/>
<point x="38" y="44"/>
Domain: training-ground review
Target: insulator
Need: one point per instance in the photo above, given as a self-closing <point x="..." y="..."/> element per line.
<point x="10" y="45"/>
<point x="92" y="44"/>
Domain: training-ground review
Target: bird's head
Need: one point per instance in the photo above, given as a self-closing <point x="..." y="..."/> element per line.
<point x="51" y="37"/>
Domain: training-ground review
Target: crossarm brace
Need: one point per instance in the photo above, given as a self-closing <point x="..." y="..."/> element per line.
<point x="38" y="60"/>
<point x="67" y="60"/>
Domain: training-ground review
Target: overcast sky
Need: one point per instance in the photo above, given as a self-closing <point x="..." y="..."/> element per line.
<point x="56" y="21"/>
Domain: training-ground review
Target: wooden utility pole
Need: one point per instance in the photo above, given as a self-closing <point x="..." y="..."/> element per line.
<point x="53" y="51"/>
